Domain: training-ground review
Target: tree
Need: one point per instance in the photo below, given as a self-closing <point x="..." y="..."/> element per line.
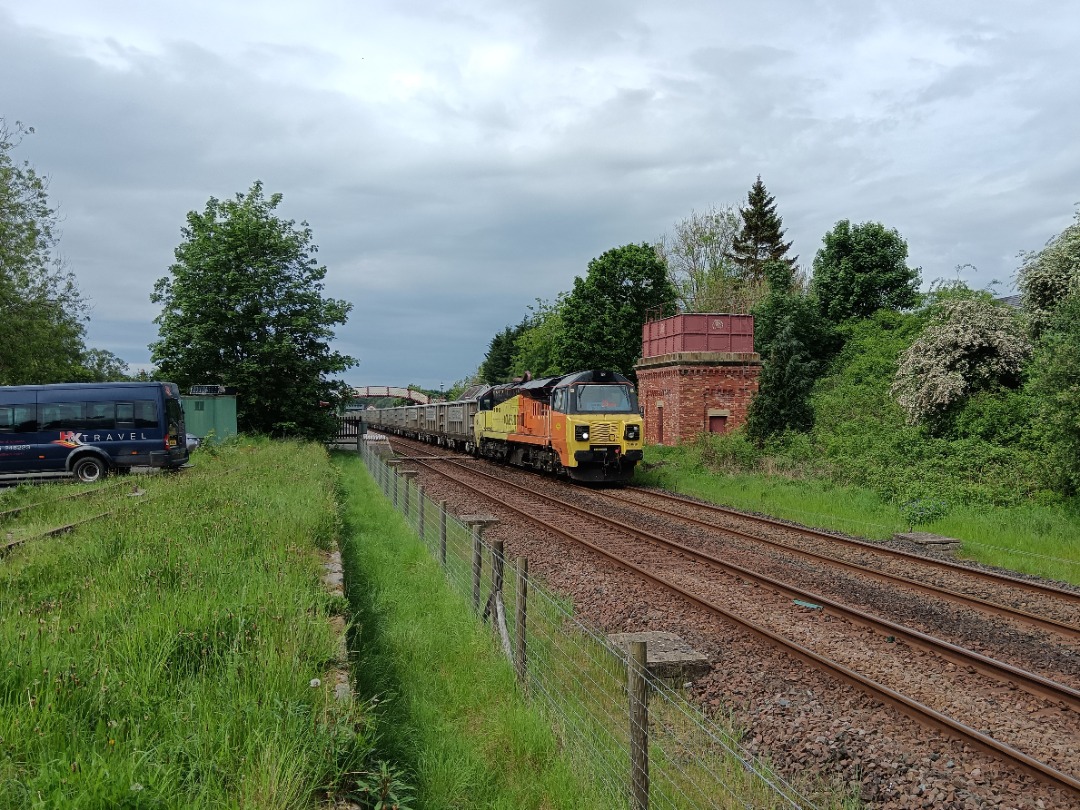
<point x="971" y="344"/>
<point x="1049" y="276"/>
<point x="1055" y="383"/>
<point x="534" y="348"/>
<point x="761" y="238"/>
<point x="605" y="311"/>
<point x="795" y="345"/>
<point x="99" y="365"/>
<point x="862" y="269"/>
<point x="42" y="315"/>
<point x="498" y="362"/>
<point x="244" y="307"/>
<point x="698" y="255"/>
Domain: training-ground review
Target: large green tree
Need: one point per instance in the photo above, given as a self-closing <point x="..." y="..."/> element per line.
<point x="42" y="314"/>
<point x="243" y="306"/>
<point x="761" y="237"/>
<point x="605" y="311"/>
<point x="861" y="269"/>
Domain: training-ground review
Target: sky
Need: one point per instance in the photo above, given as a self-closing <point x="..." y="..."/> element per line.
<point x="458" y="161"/>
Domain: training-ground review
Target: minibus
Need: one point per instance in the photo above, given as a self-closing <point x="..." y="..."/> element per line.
<point x="90" y="429"/>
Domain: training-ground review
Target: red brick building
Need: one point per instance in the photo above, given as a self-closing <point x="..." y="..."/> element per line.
<point x="697" y="374"/>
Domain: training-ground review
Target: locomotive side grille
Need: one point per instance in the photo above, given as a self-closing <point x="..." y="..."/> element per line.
<point x="604" y="432"/>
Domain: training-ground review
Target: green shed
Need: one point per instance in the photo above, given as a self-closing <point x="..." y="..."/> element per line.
<point x="210" y="408"/>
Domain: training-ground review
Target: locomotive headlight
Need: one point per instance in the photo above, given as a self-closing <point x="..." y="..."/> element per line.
<point x="632" y="433"/>
<point x="581" y="433"/>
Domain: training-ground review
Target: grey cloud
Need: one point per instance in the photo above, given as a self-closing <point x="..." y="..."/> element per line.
<point x="444" y="233"/>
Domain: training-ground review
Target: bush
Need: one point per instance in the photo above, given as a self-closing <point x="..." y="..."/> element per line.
<point x="922" y="511"/>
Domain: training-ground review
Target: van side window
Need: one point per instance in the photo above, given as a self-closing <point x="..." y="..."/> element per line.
<point x="61" y="416"/>
<point x="125" y="414"/>
<point x="18" y="418"/>
<point x="99" y="416"/>
<point x="146" y="413"/>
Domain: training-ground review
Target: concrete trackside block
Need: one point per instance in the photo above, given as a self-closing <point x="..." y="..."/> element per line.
<point x="935" y="542"/>
<point x="669" y="657"/>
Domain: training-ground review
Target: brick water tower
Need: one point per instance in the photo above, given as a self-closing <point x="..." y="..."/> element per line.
<point x="697" y="374"/>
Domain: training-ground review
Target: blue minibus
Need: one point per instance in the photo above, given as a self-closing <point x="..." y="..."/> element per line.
<point x="90" y="429"/>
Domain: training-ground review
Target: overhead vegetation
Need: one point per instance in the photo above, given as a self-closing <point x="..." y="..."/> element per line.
<point x="243" y="306"/>
<point x="861" y="269"/>
<point x="795" y="344"/>
<point x="42" y="313"/>
<point x="497" y="364"/>
<point x="595" y="325"/>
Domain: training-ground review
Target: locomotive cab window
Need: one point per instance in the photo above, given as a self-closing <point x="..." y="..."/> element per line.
<point x="558" y="400"/>
<point x="605" y="399"/>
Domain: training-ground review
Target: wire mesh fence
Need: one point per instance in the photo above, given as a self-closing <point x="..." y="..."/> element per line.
<point x="584" y="682"/>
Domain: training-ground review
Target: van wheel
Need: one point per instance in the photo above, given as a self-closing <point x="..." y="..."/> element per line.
<point x="90" y="469"/>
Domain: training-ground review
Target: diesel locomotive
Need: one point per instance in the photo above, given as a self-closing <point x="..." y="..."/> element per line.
<point x="585" y="426"/>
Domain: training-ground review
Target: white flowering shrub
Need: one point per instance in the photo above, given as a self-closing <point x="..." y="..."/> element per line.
<point x="1048" y="276"/>
<point x="969" y="344"/>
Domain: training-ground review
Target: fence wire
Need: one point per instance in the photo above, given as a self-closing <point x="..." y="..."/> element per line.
<point x="579" y="679"/>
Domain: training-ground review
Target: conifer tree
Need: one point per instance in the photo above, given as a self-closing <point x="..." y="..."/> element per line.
<point x="761" y="238"/>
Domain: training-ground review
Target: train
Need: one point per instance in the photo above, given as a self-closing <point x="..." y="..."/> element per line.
<point x="585" y="426"/>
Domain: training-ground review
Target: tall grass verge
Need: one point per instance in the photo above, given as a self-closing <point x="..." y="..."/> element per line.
<point x="165" y="657"/>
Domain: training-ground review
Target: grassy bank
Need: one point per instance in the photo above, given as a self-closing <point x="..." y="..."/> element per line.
<point x="164" y="657"/>
<point x="450" y="712"/>
<point x="1029" y="538"/>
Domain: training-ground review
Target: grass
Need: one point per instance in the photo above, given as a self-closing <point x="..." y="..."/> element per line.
<point x="1032" y="539"/>
<point x="164" y="657"/>
<point x="450" y="712"/>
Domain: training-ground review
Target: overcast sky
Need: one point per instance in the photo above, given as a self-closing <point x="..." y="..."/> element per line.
<point x="457" y="161"/>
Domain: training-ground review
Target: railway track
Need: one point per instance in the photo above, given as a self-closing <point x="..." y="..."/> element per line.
<point x="694" y="577"/>
<point x="10" y="541"/>
<point x="131" y="491"/>
<point x="1038" y="603"/>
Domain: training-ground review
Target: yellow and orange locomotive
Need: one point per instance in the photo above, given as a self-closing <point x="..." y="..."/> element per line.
<point x="584" y="425"/>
